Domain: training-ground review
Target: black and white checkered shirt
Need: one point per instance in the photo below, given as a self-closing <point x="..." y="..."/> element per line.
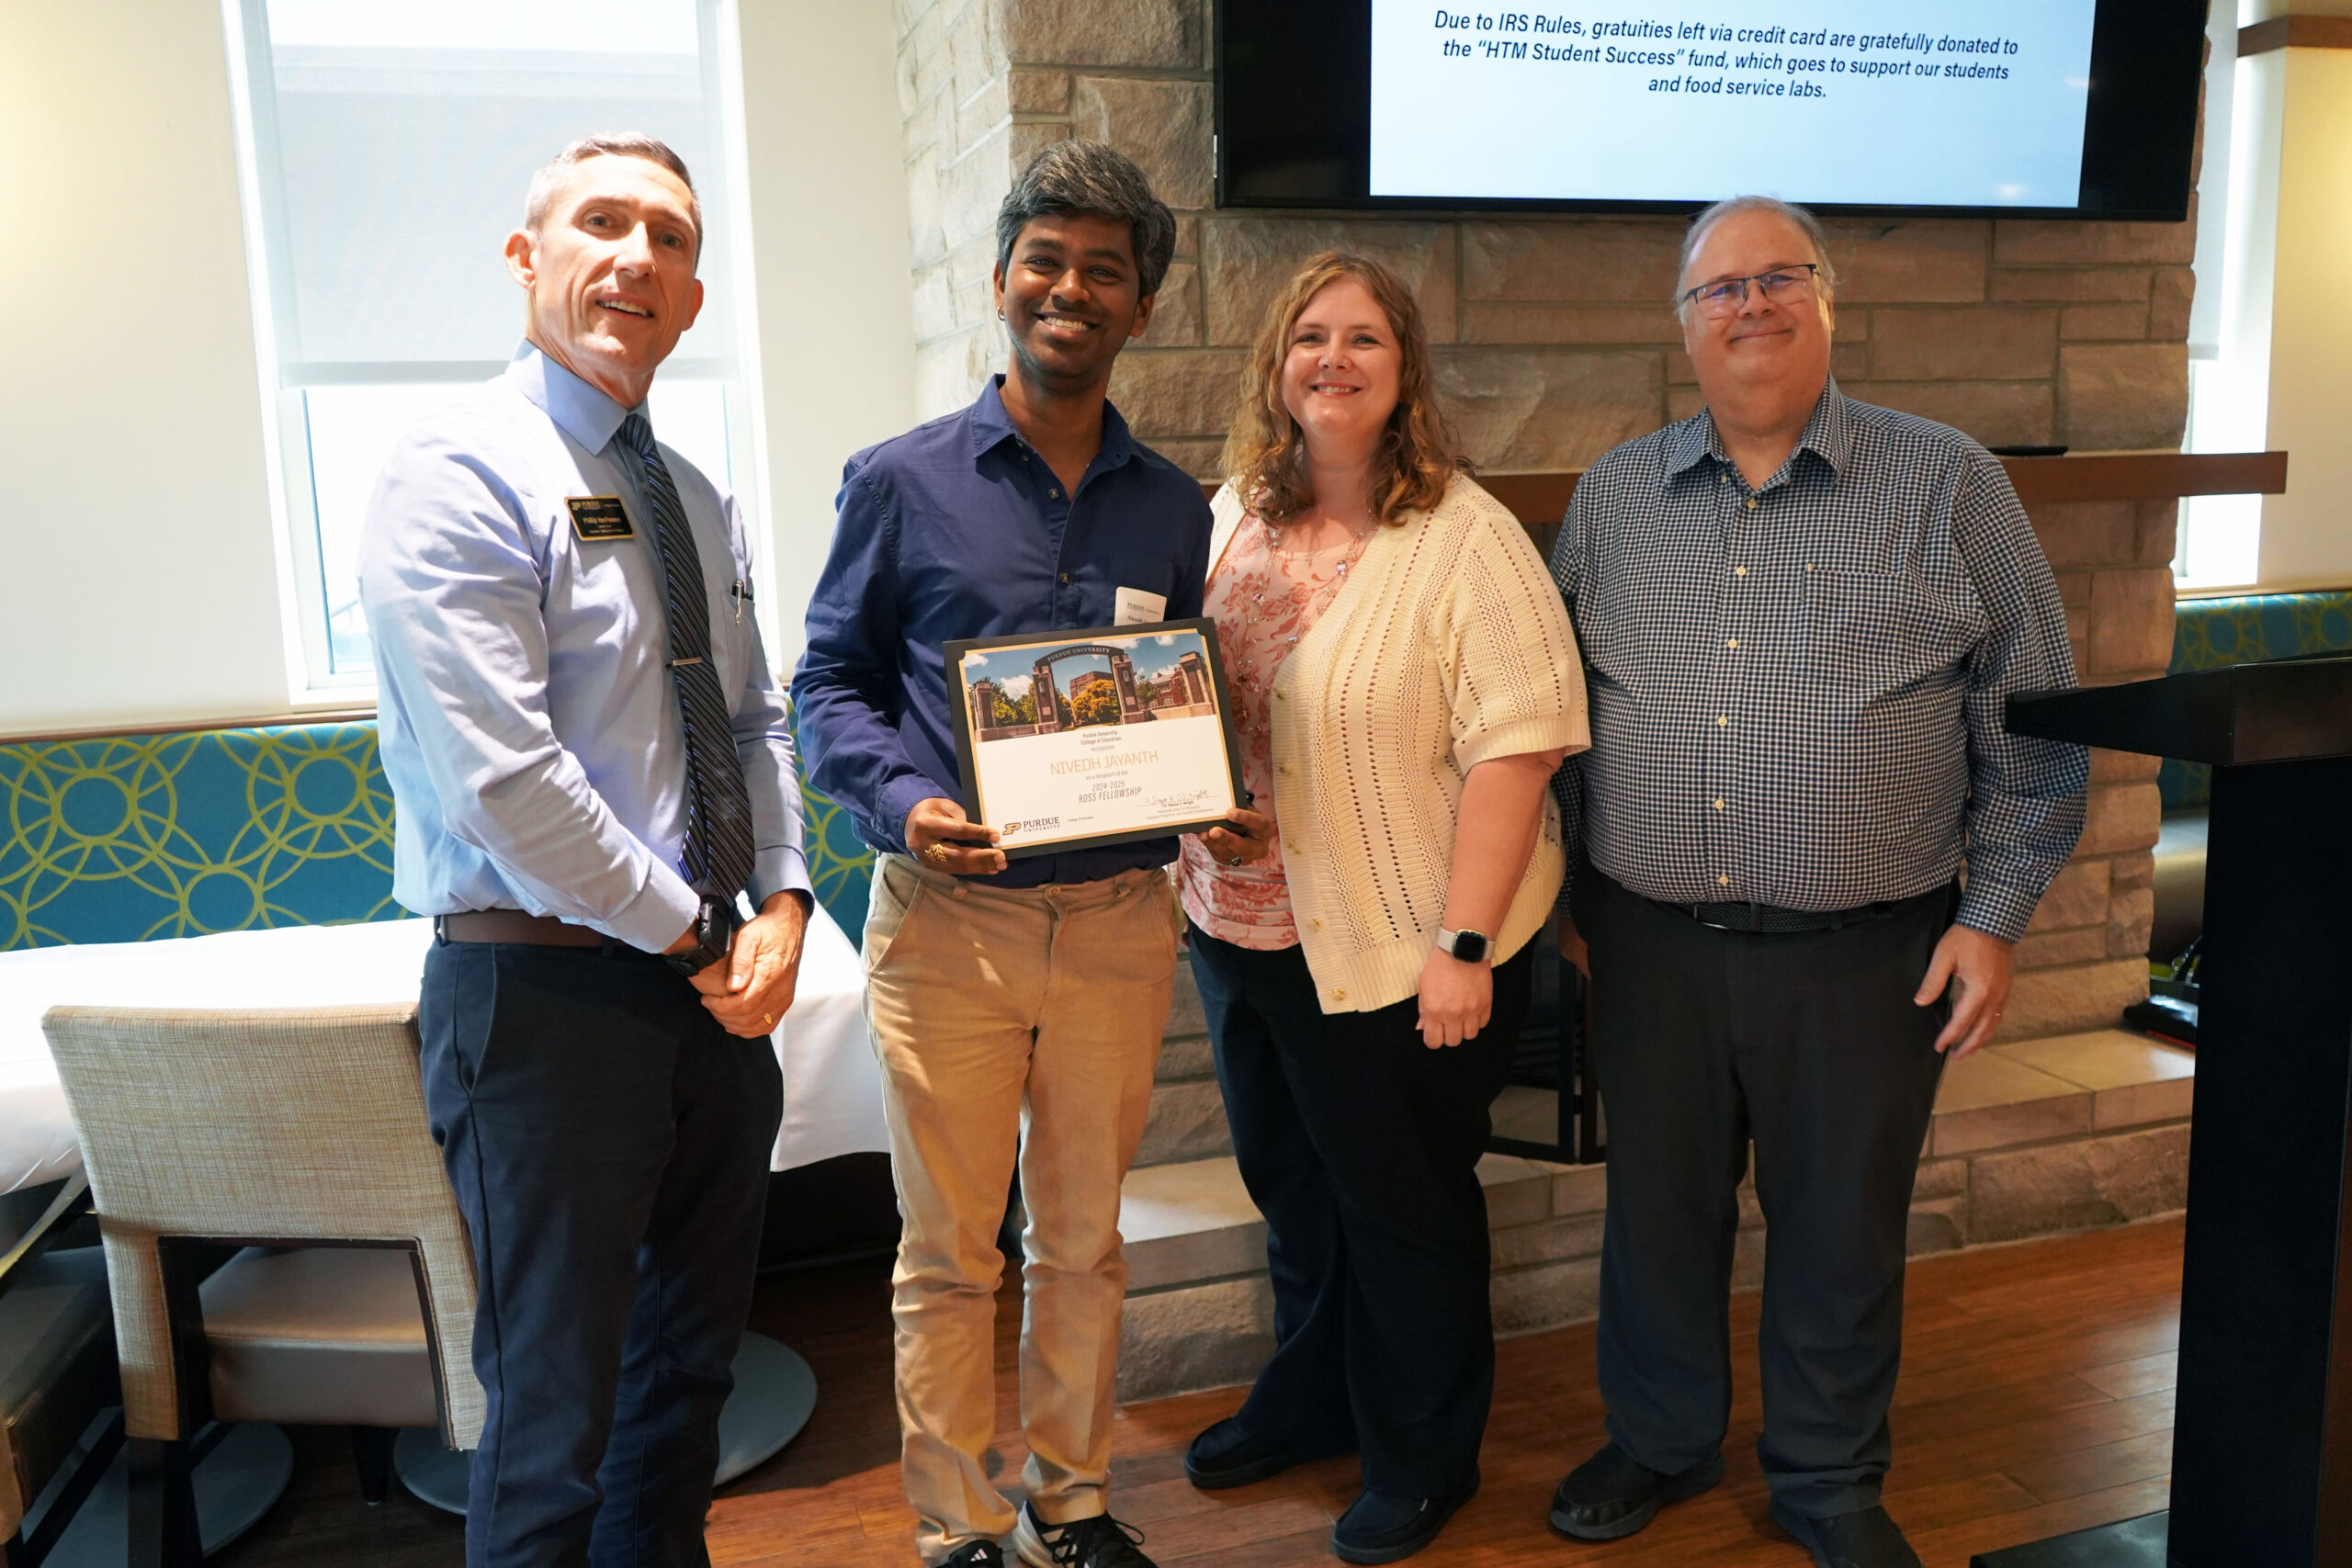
<point x="1797" y="689"/>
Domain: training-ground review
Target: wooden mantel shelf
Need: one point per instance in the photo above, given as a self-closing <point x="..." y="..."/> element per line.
<point x="1539" y="498"/>
<point x="2146" y="476"/>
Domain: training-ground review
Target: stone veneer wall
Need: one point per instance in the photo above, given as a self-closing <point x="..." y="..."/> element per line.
<point x="1555" y="344"/>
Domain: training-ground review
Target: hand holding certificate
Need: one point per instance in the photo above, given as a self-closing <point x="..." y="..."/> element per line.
<point x="1071" y="739"/>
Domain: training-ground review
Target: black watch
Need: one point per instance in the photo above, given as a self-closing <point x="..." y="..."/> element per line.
<point x="1470" y="947"/>
<point x="715" y="925"/>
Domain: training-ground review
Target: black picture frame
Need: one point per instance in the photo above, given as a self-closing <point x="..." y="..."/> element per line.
<point x="960" y="708"/>
<point x="1293" y="106"/>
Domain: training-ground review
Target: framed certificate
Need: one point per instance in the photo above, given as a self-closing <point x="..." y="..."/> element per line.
<point x="1072" y="738"/>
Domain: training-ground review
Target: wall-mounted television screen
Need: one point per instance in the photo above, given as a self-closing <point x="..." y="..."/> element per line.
<point x="2082" y="109"/>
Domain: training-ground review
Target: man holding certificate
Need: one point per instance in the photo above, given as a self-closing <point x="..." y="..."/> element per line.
<point x="1016" y="1002"/>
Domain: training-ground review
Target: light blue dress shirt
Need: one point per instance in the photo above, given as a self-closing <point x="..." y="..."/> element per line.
<point x="527" y="718"/>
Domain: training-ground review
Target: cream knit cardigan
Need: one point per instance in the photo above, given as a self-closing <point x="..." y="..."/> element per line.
<point x="1447" y="645"/>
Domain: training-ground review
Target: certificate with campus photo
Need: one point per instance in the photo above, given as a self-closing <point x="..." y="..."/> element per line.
<point x="1070" y="738"/>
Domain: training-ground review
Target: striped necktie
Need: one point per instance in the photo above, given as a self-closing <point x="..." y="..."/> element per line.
<point x="720" y="853"/>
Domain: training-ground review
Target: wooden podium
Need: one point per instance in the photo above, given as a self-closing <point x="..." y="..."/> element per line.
<point x="2262" y="1435"/>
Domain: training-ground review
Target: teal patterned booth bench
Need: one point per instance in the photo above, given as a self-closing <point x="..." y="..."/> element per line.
<point x="137" y="837"/>
<point x="2247" y="629"/>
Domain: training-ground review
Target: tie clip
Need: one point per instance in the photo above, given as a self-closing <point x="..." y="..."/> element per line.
<point x="676" y="662"/>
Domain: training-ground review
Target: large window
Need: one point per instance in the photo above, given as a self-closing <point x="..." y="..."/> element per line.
<point x="389" y="148"/>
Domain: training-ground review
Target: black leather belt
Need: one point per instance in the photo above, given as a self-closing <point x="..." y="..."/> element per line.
<point x="514" y="925"/>
<point x="1770" y="919"/>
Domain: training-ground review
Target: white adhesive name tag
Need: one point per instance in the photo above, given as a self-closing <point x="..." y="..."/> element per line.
<point x="1133" y="607"/>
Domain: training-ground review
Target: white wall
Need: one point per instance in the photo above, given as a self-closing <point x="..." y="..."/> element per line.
<point x="2286" y="337"/>
<point x="2251" y="11"/>
<point x="140" y="579"/>
<point x="2307" y="533"/>
<point x="829" y="238"/>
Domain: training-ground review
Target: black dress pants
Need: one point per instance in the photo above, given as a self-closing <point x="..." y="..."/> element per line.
<point x="1360" y="1145"/>
<point x="1809" y="1044"/>
<point x="608" y="1144"/>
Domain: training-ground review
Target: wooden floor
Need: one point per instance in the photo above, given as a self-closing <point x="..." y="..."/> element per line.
<point x="2036" y="1398"/>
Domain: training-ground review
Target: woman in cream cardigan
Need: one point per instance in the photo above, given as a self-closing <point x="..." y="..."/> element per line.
<point x="1405" y="681"/>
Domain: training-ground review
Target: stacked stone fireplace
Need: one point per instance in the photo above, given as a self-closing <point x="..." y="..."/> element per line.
<point x="1553" y="342"/>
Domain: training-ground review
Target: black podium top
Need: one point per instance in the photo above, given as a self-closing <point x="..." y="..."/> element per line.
<point x="2286" y="711"/>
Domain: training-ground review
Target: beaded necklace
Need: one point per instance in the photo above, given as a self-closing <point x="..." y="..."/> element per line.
<point x="1313" y="587"/>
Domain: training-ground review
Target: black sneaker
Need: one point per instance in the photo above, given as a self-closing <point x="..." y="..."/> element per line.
<point x="1224" y="1455"/>
<point x="1099" y="1542"/>
<point x="1611" y="1496"/>
<point x="974" y="1554"/>
<point x="1378" y="1527"/>
<point x="1865" y="1540"/>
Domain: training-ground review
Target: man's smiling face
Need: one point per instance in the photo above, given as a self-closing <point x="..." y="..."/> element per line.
<point x="1069" y="296"/>
<point x="1762" y="344"/>
<point x="611" y="273"/>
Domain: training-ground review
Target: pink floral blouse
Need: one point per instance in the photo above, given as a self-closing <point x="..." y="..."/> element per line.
<point x="1260" y="611"/>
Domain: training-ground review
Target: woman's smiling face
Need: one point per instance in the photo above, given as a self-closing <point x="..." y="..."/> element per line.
<point x="1341" y="374"/>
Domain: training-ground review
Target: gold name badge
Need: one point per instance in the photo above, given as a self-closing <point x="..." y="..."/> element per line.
<point x="598" y="517"/>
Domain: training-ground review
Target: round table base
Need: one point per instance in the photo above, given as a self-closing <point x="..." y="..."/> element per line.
<point x="236" y="1483"/>
<point x="775" y="1393"/>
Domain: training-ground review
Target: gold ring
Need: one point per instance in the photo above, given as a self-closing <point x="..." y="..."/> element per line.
<point x="768" y="1019"/>
<point x="936" y="854"/>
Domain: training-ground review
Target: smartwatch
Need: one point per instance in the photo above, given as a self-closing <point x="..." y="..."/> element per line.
<point x="1468" y="946"/>
<point x="713" y="929"/>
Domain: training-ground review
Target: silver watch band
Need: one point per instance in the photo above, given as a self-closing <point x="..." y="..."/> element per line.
<point x="1449" y="943"/>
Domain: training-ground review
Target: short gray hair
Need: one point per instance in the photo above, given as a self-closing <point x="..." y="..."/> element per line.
<point x="1825" y="275"/>
<point x="1091" y="179"/>
<point x="608" y="144"/>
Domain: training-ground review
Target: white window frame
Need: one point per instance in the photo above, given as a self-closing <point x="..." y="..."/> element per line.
<point x="312" y="678"/>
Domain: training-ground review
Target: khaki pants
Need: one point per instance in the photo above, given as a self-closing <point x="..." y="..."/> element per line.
<point x="1007" y="1019"/>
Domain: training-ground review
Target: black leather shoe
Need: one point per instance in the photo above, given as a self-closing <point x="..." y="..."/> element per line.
<point x="1380" y="1529"/>
<point x="1864" y="1539"/>
<point x="1609" y="1496"/>
<point x="974" y="1554"/>
<point x="1224" y="1455"/>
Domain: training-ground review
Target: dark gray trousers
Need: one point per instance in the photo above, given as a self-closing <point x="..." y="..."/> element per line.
<point x="1809" y="1045"/>
<point x="607" y="1142"/>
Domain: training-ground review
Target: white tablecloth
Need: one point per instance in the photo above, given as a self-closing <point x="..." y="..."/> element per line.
<point x="832" y="1091"/>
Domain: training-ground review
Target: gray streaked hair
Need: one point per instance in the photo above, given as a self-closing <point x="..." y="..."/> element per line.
<point x="608" y="144"/>
<point x="1091" y="179"/>
<point x="1827" y="274"/>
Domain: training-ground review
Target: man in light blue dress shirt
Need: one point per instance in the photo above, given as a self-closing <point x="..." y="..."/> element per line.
<point x="595" y="1013"/>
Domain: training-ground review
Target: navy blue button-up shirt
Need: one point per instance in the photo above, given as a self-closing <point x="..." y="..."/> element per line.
<point x="958" y="529"/>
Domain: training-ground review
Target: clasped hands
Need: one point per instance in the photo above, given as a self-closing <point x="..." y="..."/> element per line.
<point x="750" y="989"/>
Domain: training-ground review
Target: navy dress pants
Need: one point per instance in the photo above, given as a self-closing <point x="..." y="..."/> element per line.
<point x="1360" y="1145"/>
<point x="1808" y="1046"/>
<point x="608" y="1143"/>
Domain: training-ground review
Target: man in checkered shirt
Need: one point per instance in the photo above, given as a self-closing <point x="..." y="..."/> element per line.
<point x="1800" y="616"/>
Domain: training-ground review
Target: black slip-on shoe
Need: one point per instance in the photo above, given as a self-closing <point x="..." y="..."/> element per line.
<point x="974" y="1554"/>
<point x="1378" y="1527"/>
<point x="1865" y="1540"/>
<point x="1225" y="1455"/>
<point x="1099" y="1542"/>
<point x="1611" y="1496"/>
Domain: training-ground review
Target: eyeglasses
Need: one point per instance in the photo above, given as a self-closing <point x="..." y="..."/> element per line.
<point x="1781" y="285"/>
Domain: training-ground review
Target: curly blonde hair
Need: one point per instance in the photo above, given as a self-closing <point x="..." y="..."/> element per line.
<point x="1265" y="453"/>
